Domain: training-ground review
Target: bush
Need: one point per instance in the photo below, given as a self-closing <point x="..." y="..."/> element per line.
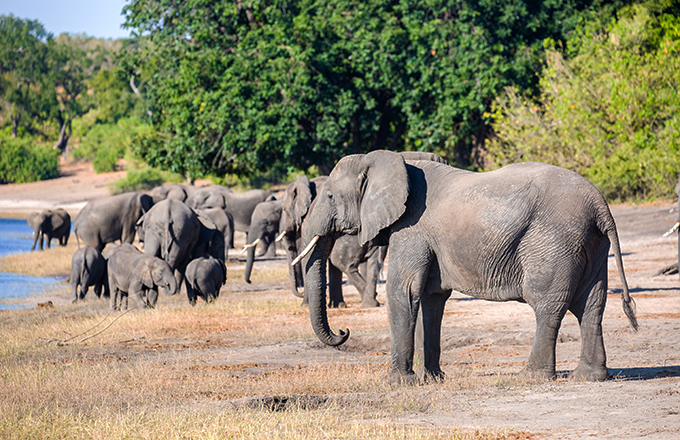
<point x="21" y="161"/>
<point x="609" y="112"/>
<point x="142" y="179"/>
<point x="105" y="144"/>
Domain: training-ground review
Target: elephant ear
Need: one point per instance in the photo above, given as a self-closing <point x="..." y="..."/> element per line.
<point x="56" y="221"/>
<point x="298" y="198"/>
<point x="146" y="202"/>
<point x="383" y="186"/>
<point x="143" y="273"/>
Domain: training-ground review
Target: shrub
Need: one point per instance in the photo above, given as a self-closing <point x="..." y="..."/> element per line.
<point x="609" y="112"/>
<point x="141" y="179"/>
<point x="105" y="144"/>
<point x="21" y="161"/>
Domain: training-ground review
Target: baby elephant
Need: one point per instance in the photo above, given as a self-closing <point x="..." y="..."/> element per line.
<point x="131" y="272"/>
<point x="88" y="268"/>
<point x="205" y="276"/>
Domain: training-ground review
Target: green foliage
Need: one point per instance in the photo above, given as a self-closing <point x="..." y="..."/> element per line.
<point x="106" y="144"/>
<point x="609" y="113"/>
<point x="141" y="179"/>
<point x="237" y="88"/>
<point x="21" y="161"/>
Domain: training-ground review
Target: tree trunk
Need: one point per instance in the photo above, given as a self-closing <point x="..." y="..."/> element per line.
<point x="64" y="134"/>
<point x="15" y="124"/>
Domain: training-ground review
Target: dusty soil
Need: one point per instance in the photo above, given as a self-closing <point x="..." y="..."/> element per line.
<point x="641" y="400"/>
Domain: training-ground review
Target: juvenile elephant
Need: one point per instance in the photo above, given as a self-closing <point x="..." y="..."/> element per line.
<point x="224" y="223"/>
<point x="133" y="273"/>
<point x="264" y="226"/>
<point x="346" y="256"/>
<point x="109" y="219"/>
<point x="529" y="232"/>
<point x="88" y="268"/>
<point x="50" y="224"/>
<point x="205" y="276"/>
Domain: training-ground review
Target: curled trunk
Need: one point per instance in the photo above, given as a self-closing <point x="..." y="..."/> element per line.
<point x="315" y="291"/>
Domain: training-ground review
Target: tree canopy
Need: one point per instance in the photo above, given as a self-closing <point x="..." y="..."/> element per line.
<point x="236" y="87"/>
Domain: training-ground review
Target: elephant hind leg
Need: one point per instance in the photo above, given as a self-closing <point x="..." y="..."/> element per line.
<point x="549" y="317"/>
<point x="589" y="310"/>
<point x="428" y="337"/>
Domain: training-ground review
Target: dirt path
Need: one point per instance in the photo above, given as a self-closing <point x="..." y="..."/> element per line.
<point x="642" y="400"/>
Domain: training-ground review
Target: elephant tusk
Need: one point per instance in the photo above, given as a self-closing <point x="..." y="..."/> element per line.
<point x="306" y="250"/>
<point x="673" y="229"/>
<point x="280" y="236"/>
<point x="248" y="246"/>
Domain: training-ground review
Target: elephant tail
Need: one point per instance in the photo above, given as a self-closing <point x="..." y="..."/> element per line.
<point x="609" y="229"/>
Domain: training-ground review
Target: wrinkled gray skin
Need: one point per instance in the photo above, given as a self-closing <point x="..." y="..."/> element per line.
<point x="528" y="232"/>
<point x="239" y="205"/>
<point x="264" y="226"/>
<point x="170" y="230"/>
<point x="88" y="268"/>
<point x="172" y="191"/>
<point x="109" y="219"/>
<point x="205" y="276"/>
<point x="50" y="224"/>
<point x="346" y="256"/>
<point x="134" y="273"/>
<point x="224" y="223"/>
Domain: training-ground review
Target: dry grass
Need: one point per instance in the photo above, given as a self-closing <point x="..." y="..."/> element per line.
<point x="53" y="262"/>
<point x="175" y="371"/>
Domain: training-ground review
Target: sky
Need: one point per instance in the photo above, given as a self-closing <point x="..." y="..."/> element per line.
<point x="96" y="18"/>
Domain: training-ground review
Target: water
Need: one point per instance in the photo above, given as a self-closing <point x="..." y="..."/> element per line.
<point x="17" y="237"/>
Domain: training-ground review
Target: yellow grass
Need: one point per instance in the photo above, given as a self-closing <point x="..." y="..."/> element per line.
<point x="171" y="372"/>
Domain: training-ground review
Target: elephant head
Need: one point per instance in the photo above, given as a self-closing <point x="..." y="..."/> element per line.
<point x="297" y="202"/>
<point x="264" y="225"/>
<point x="50" y="223"/>
<point x="363" y="195"/>
<point x="153" y="273"/>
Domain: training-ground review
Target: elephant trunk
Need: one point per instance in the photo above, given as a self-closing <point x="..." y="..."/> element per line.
<point x="249" y="263"/>
<point x="315" y="290"/>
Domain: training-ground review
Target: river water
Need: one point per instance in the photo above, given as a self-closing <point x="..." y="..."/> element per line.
<point x="17" y="237"/>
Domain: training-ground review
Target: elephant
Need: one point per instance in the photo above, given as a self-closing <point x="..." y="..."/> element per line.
<point x="239" y="205"/>
<point x="224" y="223"/>
<point x="132" y="272"/>
<point x="112" y="218"/>
<point x="528" y="232"/>
<point x="673" y="268"/>
<point x="204" y="277"/>
<point x="264" y="226"/>
<point x="170" y="230"/>
<point x="346" y="256"/>
<point x="172" y="191"/>
<point x="88" y="268"/>
<point x="50" y="224"/>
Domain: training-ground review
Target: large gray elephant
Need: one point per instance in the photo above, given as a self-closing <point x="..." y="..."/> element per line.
<point x="205" y="277"/>
<point x="109" y="219"/>
<point x="264" y="226"/>
<point x="170" y="230"/>
<point x="50" y="224"/>
<point x="134" y="273"/>
<point x="172" y="191"/>
<point x="529" y="232"/>
<point x="239" y="205"/>
<point x="88" y="268"/>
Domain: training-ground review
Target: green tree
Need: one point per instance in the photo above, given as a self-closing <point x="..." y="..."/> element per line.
<point x="609" y="111"/>
<point x="23" y="66"/>
<point x="237" y="87"/>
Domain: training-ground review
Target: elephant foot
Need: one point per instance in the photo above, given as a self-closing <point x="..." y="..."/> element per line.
<point x="304" y="304"/>
<point x="370" y="303"/>
<point x="530" y="372"/>
<point x="589" y="373"/>
<point x="431" y="376"/>
<point x="396" y="378"/>
<point x="339" y="305"/>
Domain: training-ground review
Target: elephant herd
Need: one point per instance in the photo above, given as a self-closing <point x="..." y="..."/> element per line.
<point x="528" y="232"/>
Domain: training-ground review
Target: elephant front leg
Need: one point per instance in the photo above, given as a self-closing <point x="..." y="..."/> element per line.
<point x="430" y="330"/>
<point x="370" y="293"/>
<point x="335" y="298"/>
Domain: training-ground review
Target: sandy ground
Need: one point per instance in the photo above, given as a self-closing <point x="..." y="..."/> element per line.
<point x="641" y="400"/>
